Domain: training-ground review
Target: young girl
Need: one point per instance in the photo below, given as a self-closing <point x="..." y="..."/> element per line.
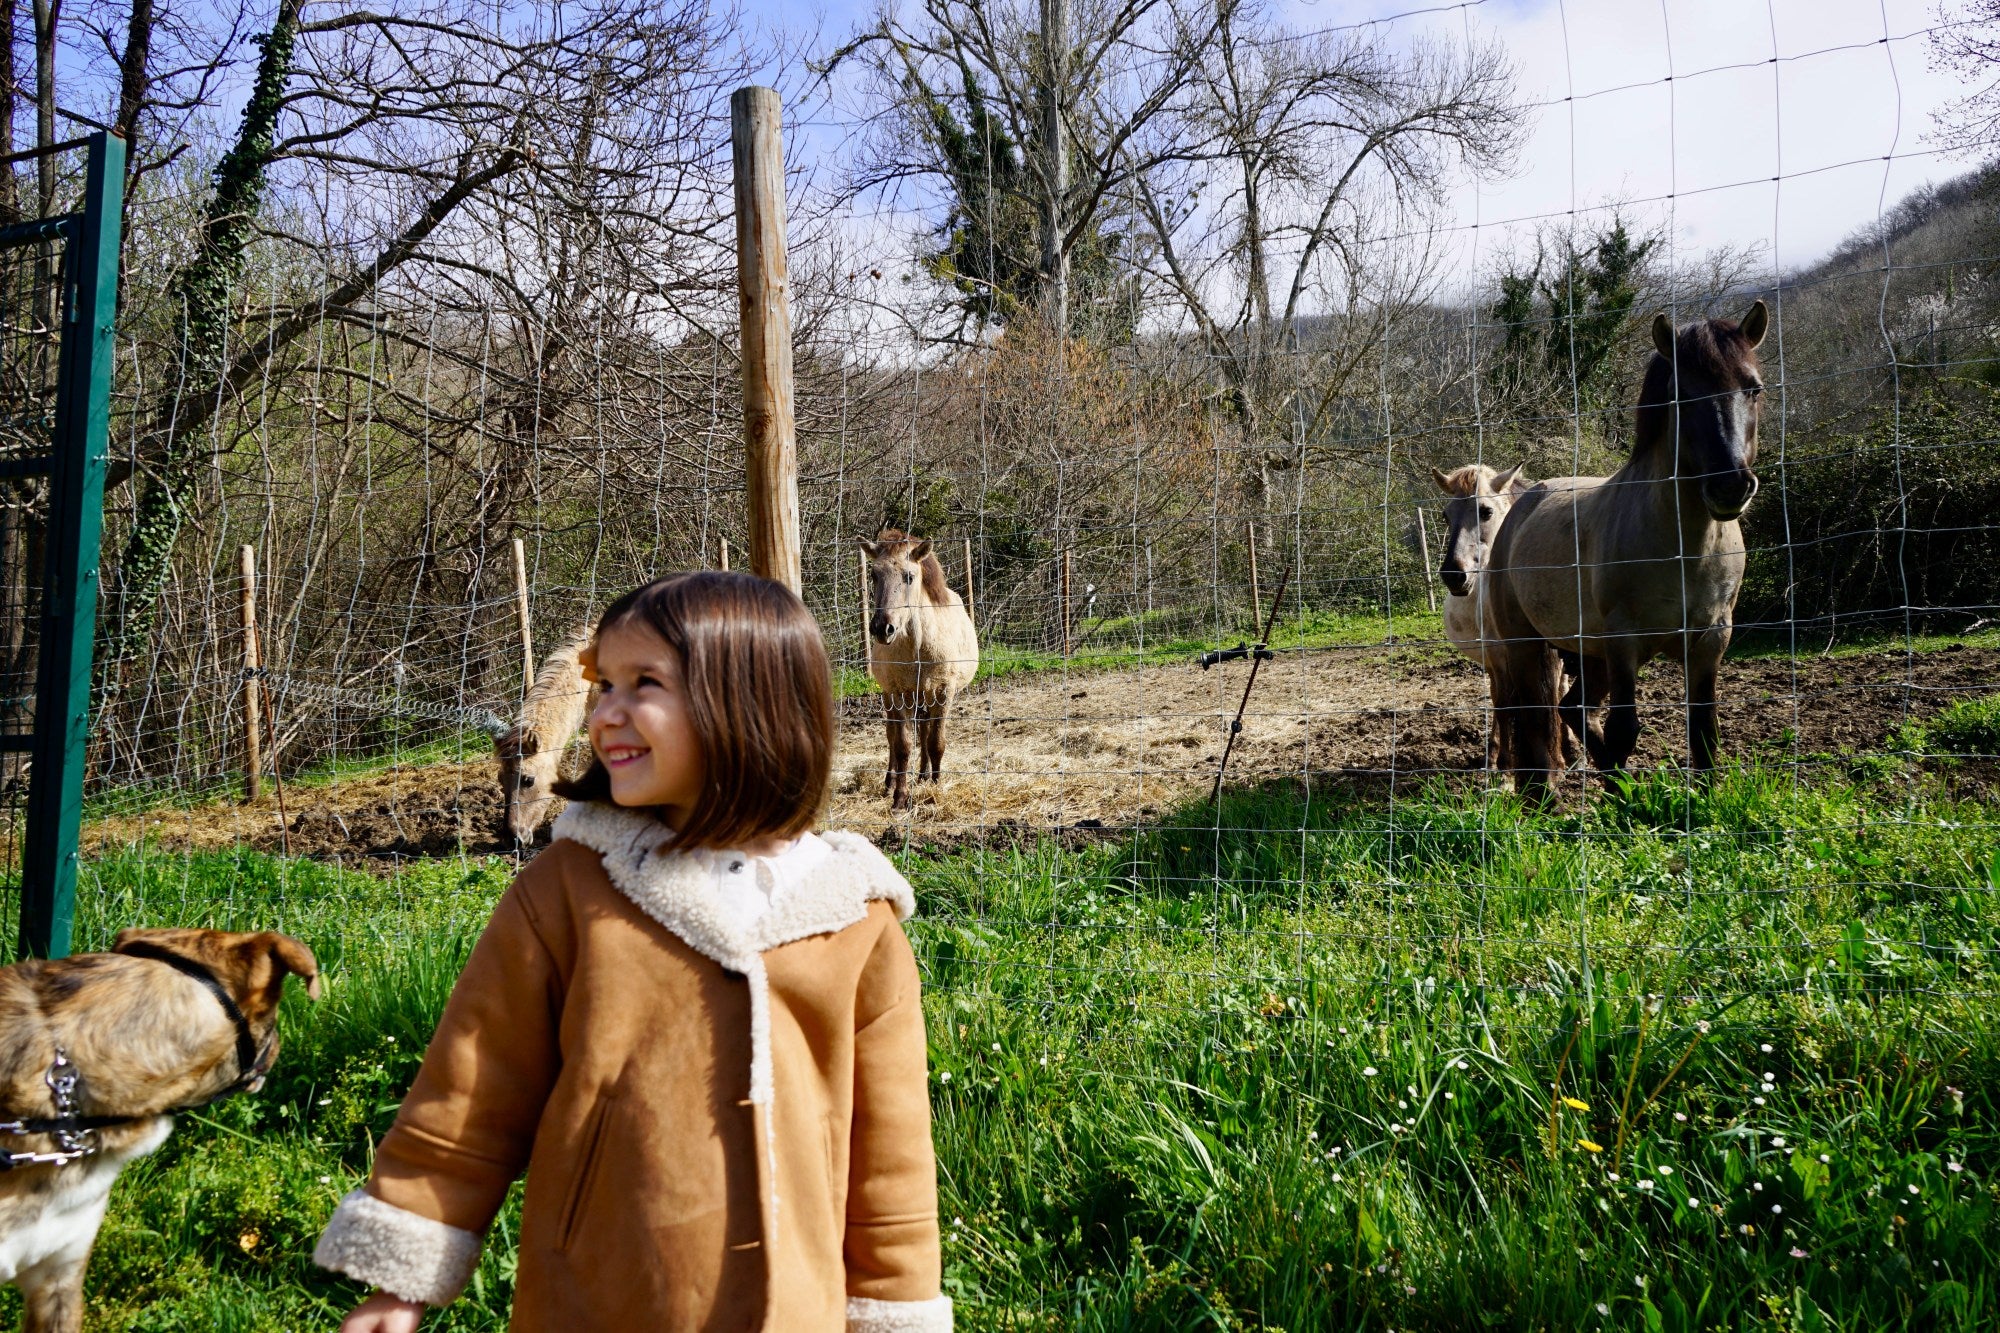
<point x="694" y="1023"/>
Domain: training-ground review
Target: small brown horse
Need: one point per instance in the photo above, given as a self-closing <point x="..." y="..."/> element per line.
<point x="922" y="650"/>
<point x="1617" y="571"/>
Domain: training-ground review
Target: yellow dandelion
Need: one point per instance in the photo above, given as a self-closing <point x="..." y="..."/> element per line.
<point x="1575" y="1105"/>
<point x="248" y="1241"/>
<point x="1588" y="1146"/>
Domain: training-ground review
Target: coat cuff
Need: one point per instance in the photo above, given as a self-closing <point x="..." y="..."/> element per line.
<point x="867" y="1315"/>
<point x="403" y="1253"/>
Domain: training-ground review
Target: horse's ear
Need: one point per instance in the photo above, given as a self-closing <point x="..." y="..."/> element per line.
<point x="870" y="549"/>
<point x="1504" y="482"/>
<point x="1756" y="324"/>
<point x="1444" y="482"/>
<point x="1663" y="335"/>
<point x="921" y="551"/>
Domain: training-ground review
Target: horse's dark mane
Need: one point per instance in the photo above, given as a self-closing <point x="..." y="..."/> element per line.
<point x="1709" y="352"/>
<point x="936" y="591"/>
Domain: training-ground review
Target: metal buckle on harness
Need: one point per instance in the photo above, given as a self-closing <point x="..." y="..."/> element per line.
<point x="71" y="1143"/>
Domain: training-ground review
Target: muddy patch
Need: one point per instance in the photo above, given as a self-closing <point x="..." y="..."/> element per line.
<point x="1091" y="752"/>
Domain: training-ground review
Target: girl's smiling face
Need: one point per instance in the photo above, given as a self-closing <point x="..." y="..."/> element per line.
<point x="640" y="727"/>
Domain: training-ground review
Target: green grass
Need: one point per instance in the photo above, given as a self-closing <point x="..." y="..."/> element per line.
<point x="1870" y="637"/>
<point x="455" y="746"/>
<point x="1105" y="652"/>
<point x="1293" y="1066"/>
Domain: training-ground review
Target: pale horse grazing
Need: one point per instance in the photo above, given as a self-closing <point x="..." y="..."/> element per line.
<point x="533" y="750"/>
<point x="922" y="650"/>
<point x="1621" y="570"/>
<point x="1480" y="499"/>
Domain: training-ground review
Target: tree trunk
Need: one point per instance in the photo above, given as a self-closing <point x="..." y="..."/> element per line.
<point x="10" y="207"/>
<point x="202" y="290"/>
<point x="1055" y="165"/>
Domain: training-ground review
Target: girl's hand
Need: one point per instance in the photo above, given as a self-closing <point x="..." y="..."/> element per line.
<point x="383" y="1313"/>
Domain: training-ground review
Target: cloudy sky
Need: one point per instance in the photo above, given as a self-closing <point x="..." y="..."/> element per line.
<point x="1679" y="111"/>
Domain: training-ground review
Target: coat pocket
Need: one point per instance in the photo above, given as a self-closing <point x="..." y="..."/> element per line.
<point x="586" y="1171"/>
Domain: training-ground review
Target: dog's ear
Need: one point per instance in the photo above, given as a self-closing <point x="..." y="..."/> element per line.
<point x="287" y="955"/>
<point x="126" y="936"/>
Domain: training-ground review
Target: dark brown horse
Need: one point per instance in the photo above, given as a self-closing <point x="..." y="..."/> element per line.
<point x="1617" y="571"/>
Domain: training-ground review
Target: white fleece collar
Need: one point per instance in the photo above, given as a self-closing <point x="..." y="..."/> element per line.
<point x="683" y="892"/>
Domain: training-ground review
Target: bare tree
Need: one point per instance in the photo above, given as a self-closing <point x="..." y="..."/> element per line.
<point x="1068" y="89"/>
<point x="411" y="120"/>
<point x="1278" y="176"/>
<point x="1966" y="42"/>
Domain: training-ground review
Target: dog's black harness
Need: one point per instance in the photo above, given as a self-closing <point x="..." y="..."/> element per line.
<point x="74" y="1134"/>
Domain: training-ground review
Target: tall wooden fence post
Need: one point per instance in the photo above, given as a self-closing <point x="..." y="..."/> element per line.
<point x="770" y="448"/>
<point x="864" y="606"/>
<point x="725" y="554"/>
<point x="253" y="684"/>
<point x="1424" y="553"/>
<point x="521" y="609"/>
<point x="1256" y="593"/>
<point x="1065" y="604"/>
<point x="968" y="586"/>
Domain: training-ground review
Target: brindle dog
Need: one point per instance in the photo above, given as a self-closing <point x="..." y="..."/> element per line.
<point x="97" y="1052"/>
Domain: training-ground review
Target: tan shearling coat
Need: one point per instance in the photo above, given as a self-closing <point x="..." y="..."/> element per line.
<point x="725" y="1124"/>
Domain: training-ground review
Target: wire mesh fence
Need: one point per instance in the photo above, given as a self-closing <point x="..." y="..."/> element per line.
<point x="1116" y="502"/>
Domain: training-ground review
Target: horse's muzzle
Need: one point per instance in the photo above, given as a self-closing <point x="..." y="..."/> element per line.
<point x="1456" y="581"/>
<point x="881" y="628"/>
<point x="1728" y="494"/>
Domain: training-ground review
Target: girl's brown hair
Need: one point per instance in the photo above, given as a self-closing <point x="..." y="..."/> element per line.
<point x="760" y="700"/>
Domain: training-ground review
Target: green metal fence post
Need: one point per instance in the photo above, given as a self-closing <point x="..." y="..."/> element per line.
<point x="76" y="522"/>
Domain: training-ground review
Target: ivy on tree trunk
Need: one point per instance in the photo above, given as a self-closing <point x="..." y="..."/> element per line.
<point x="202" y="291"/>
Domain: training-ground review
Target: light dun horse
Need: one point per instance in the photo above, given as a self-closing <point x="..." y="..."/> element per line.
<point x="1480" y="500"/>
<point x="1620" y="570"/>
<point x="531" y="752"/>
<point x="1481" y="497"/>
<point x="922" y="650"/>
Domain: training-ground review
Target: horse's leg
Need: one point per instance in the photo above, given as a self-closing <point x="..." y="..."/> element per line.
<point x="1574" y="714"/>
<point x="1499" y="753"/>
<point x="1525" y="707"/>
<point x="1704" y="668"/>
<point x="1586" y="694"/>
<point x="896" y="710"/>
<point x="1621" y="725"/>
<point x="933" y="736"/>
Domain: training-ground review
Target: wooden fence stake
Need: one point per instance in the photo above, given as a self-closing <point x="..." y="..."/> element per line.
<point x="1424" y="550"/>
<point x="725" y="555"/>
<point x="864" y="605"/>
<point x="1256" y="593"/>
<point x="521" y="607"/>
<point x="1065" y="604"/>
<point x="968" y="586"/>
<point x="770" y="447"/>
<point x="253" y="684"/>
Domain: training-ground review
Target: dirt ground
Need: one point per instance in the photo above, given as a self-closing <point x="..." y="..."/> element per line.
<point x="1115" y="748"/>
